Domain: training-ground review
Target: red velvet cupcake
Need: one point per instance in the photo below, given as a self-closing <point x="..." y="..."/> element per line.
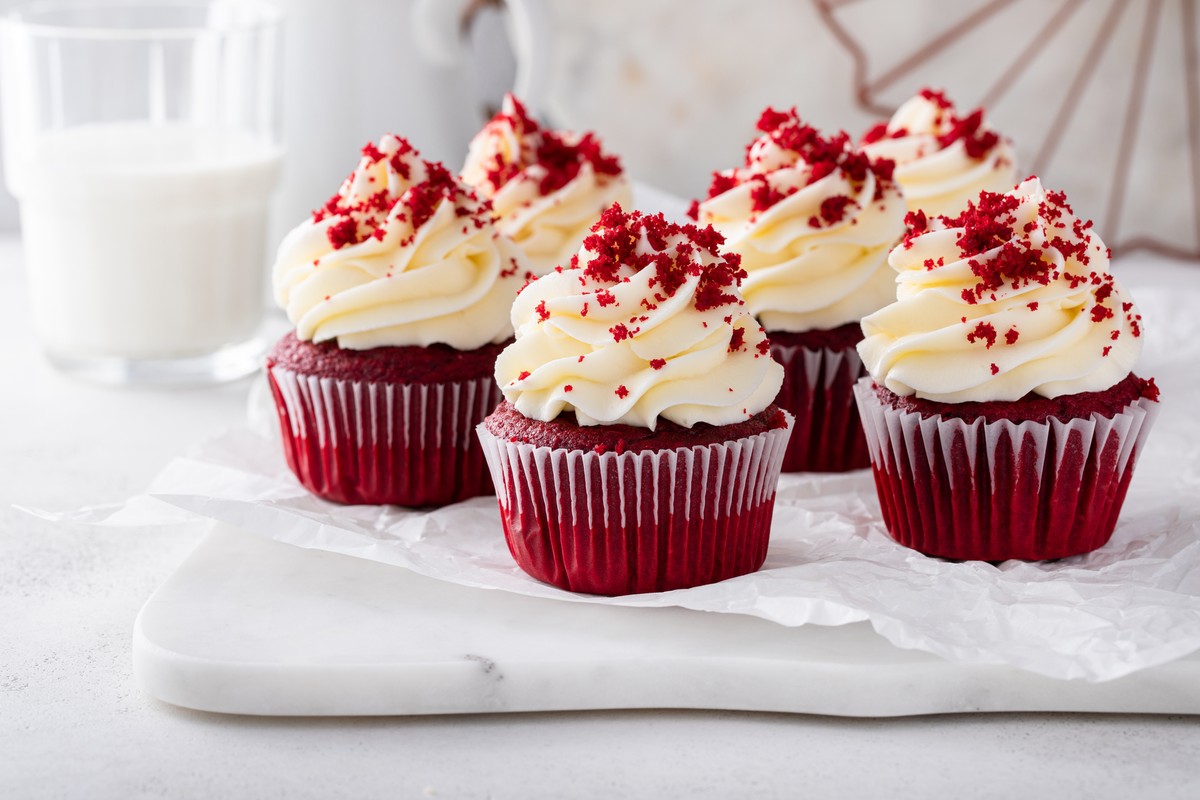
<point x="813" y="220"/>
<point x="399" y="288"/>
<point x="1002" y="416"/>
<point x="638" y="449"/>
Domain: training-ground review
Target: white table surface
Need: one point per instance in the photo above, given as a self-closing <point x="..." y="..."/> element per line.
<point x="73" y="722"/>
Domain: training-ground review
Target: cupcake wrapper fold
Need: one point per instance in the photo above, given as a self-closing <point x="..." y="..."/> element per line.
<point x="628" y="523"/>
<point x="361" y="442"/>
<point x="818" y="388"/>
<point x="997" y="490"/>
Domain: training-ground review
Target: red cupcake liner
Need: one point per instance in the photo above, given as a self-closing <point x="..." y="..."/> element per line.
<point x="361" y="442"/>
<point x="628" y="523"/>
<point x="818" y="388"/>
<point x="998" y="490"/>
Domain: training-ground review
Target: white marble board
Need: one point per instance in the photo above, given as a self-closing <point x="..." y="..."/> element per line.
<point x="251" y="626"/>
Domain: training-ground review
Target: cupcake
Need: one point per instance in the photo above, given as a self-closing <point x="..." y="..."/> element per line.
<point x="813" y="220"/>
<point x="943" y="161"/>
<point x="400" y="289"/>
<point x="1002" y="413"/>
<point x="547" y="188"/>
<point x="637" y="449"/>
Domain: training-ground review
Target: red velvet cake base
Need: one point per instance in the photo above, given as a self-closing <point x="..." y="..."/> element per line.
<point x="392" y="425"/>
<point x="646" y="520"/>
<point x="820" y="370"/>
<point x="1006" y="481"/>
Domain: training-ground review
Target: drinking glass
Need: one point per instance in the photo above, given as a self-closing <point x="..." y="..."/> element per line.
<point x="142" y="142"/>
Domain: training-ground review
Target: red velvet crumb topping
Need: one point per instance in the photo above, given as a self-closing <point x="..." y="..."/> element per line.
<point x="823" y="155"/>
<point x="614" y="246"/>
<point x="357" y="221"/>
<point x="557" y="156"/>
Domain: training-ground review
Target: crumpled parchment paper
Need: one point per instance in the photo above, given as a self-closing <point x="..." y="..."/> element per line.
<point x="1130" y="605"/>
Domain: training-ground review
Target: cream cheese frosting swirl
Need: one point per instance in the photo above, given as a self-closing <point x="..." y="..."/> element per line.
<point x="1013" y="296"/>
<point x="813" y="221"/>
<point x="943" y="161"/>
<point x="403" y="254"/>
<point x="547" y="188"/>
<point x="646" y="322"/>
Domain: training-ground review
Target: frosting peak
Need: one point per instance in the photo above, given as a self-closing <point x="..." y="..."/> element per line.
<point x="547" y="187"/>
<point x="1010" y="297"/>
<point x="813" y="219"/>
<point x="403" y="254"/>
<point x="942" y="160"/>
<point x="646" y="322"/>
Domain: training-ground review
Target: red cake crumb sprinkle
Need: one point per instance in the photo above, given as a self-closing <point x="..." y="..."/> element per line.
<point x="879" y="132"/>
<point x="1011" y="336"/>
<point x="917" y="224"/>
<point x="619" y="332"/>
<point x="1107" y="349"/>
<point x="737" y="340"/>
<point x="833" y="210"/>
<point x="977" y="140"/>
<point x="540" y="310"/>
<point x="425" y="197"/>
<point x="657" y="363"/>
<point x="343" y="233"/>
<point x="553" y="158"/>
<point x="763" y="195"/>
<point x="995" y="369"/>
<point x="986" y="223"/>
<point x="568" y="388"/>
<point x="621" y="392"/>
<point x="983" y="331"/>
<point x="1032" y="306"/>
<point x="721" y="183"/>
<point x="937" y="97"/>
<point x="523" y="376"/>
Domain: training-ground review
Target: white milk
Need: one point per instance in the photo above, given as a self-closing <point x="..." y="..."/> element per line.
<point x="145" y="241"/>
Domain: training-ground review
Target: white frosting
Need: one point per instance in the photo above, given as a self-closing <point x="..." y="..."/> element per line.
<point x="1073" y="329"/>
<point x="804" y="271"/>
<point x="548" y="227"/>
<point x="622" y="351"/>
<point x="937" y="179"/>
<point x="451" y="281"/>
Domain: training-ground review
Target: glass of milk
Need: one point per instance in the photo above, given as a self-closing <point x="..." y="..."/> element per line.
<point x="142" y="141"/>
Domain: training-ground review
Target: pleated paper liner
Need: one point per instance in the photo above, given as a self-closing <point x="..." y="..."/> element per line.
<point x="628" y="523"/>
<point x="362" y="442"/>
<point x="997" y="490"/>
<point x="818" y="388"/>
